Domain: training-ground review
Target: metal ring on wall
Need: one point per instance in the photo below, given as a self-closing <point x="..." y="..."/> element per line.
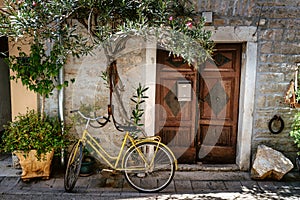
<point x="277" y="118"/>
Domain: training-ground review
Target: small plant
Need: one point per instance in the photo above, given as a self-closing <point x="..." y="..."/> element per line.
<point x="31" y="132"/>
<point x="138" y="111"/>
<point x="295" y="132"/>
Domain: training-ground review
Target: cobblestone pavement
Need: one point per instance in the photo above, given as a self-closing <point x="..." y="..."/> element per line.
<point x="186" y="185"/>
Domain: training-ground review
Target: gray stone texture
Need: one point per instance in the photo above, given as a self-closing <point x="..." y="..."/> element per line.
<point x="278" y="38"/>
<point x="270" y="164"/>
<point x="278" y="50"/>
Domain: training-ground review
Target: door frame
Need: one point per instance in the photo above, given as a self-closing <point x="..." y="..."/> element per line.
<point x="247" y="36"/>
<point x="226" y="34"/>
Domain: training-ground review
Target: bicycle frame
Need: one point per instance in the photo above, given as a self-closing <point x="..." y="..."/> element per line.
<point x="88" y="139"/>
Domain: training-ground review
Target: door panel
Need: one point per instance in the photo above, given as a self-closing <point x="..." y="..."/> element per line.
<point x="218" y="105"/>
<point x="175" y="120"/>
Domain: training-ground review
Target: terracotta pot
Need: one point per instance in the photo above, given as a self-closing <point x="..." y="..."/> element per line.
<point x="33" y="167"/>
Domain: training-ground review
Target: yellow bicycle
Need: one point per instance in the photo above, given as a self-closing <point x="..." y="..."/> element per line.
<point x="148" y="164"/>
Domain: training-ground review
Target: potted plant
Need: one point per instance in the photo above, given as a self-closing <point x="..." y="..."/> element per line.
<point x="50" y="40"/>
<point x="34" y="140"/>
<point x="295" y="134"/>
<point x="87" y="165"/>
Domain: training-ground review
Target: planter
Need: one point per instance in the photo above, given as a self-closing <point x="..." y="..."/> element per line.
<point x="87" y="166"/>
<point x="32" y="167"/>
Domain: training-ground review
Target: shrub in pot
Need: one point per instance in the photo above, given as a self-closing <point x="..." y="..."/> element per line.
<point x="34" y="139"/>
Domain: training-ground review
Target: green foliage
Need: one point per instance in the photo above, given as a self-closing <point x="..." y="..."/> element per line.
<point x="37" y="71"/>
<point x="30" y="131"/>
<point x="44" y="21"/>
<point x="295" y="133"/>
<point x="105" y="78"/>
<point x="44" y="26"/>
<point x="137" y="112"/>
<point x="138" y="99"/>
<point x="174" y="21"/>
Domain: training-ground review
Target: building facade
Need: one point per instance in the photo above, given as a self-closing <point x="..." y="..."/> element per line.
<point x="227" y="104"/>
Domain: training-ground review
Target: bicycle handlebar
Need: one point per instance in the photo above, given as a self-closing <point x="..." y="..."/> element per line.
<point x="130" y="127"/>
<point x="89" y="119"/>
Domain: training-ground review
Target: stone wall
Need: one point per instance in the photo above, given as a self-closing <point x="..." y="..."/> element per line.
<point x="90" y="92"/>
<point x="278" y="26"/>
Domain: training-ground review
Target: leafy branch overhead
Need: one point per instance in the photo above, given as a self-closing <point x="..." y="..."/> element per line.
<point x="44" y="27"/>
<point x="173" y="23"/>
<point x="52" y="31"/>
<point x="56" y="20"/>
<point x="41" y="77"/>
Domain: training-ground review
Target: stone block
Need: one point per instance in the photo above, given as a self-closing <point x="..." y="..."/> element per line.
<point x="266" y="47"/>
<point x="269" y="163"/>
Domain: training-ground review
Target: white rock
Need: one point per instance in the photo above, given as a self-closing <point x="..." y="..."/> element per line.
<point x="269" y="163"/>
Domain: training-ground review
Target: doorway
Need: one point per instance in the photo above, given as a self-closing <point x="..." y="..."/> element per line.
<point x="204" y="128"/>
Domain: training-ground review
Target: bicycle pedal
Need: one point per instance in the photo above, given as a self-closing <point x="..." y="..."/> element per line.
<point x="111" y="171"/>
<point x="141" y="175"/>
<point x="107" y="170"/>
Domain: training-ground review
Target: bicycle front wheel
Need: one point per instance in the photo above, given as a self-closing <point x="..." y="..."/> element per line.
<point x="73" y="167"/>
<point x="149" y="167"/>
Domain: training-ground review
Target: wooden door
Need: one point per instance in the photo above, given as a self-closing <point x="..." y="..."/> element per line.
<point x="175" y="119"/>
<point x="218" y="105"/>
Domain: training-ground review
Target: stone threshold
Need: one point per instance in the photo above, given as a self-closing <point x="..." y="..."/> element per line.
<point x="208" y="167"/>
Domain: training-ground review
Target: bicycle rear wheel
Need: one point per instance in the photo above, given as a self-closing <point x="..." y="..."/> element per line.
<point x="73" y="167"/>
<point x="150" y="172"/>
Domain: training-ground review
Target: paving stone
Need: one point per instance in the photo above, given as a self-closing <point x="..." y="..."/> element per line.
<point x="127" y="187"/>
<point x="267" y="185"/>
<point x="211" y="175"/>
<point x="4" y="189"/>
<point x="39" y="183"/>
<point x="233" y="186"/>
<point x="285" y="189"/>
<point x="58" y="183"/>
<point x="218" y="186"/>
<point x="251" y="186"/>
<point x="10" y="181"/>
<point x="97" y="182"/>
<point x="200" y="186"/>
<point x="296" y="185"/>
<point x="183" y="186"/>
<point x="170" y="188"/>
<point x="111" y="194"/>
<point x="82" y="183"/>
